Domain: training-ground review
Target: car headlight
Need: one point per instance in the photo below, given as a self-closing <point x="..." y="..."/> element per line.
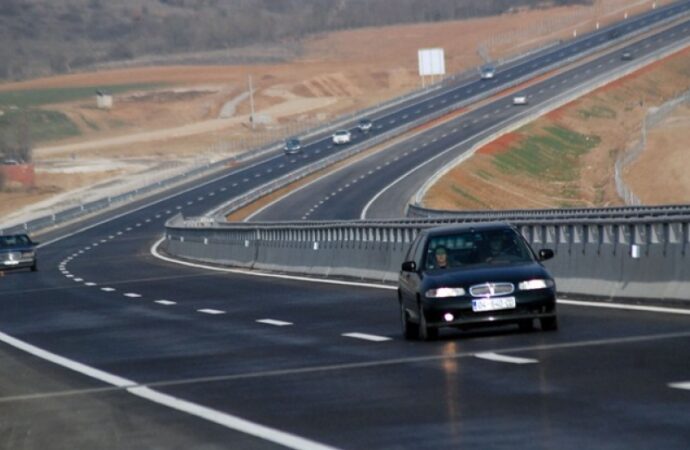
<point x="535" y="284"/>
<point x="444" y="292"/>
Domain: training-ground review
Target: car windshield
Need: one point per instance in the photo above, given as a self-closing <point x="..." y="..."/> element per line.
<point x="14" y="241"/>
<point x="498" y="246"/>
<point x="342" y="133"/>
<point x="293" y="142"/>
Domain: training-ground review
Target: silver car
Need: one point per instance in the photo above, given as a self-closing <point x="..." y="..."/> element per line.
<point x="17" y="251"/>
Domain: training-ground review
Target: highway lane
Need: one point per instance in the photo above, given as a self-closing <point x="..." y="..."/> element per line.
<point x="346" y="193"/>
<point x="345" y="391"/>
<point x="310" y="379"/>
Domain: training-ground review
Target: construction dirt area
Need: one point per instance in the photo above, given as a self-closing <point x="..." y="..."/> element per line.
<point x="170" y="118"/>
<point x="567" y="158"/>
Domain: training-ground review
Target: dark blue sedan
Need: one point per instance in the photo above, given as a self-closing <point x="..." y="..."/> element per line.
<point x="474" y="275"/>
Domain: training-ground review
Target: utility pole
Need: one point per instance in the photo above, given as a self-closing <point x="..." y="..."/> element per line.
<point x="251" y="102"/>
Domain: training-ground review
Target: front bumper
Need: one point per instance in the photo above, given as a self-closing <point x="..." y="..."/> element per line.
<point x="9" y="261"/>
<point x="528" y="305"/>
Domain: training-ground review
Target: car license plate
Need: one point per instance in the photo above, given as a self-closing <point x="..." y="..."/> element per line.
<point x="492" y="304"/>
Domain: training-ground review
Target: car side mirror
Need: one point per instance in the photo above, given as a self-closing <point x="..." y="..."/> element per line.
<point x="409" y="266"/>
<point x="545" y="253"/>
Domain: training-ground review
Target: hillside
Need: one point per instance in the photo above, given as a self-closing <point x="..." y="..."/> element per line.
<point x="59" y="36"/>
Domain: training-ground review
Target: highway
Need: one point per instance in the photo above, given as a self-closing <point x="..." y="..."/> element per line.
<point x="352" y="193"/>
<point x="147" y="354"/>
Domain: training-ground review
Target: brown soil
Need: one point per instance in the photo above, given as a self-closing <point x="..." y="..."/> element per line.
<point x="338" y="73"/>
<point x="613" y="113"/>
<point x="660" y="174"/>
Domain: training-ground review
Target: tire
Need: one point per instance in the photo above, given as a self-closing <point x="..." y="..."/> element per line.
<point x="409" y="330"/>
<point x="34" y="267"/>
<point x="526" y="325"/>
<point x="549" y="323"/>
<point x="425" y="332"/>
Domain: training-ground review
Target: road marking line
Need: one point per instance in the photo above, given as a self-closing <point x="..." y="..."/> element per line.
<point x="78" y="280"/>
<point x="627" y="307"/>
<point x="210" y="311"/>
<point x="490" y="356"/>
<point x="90" y="284"/>
<point x="367" y="337"/>
<point x="70" y="276"/>
<point x="277" y="323"/>
<point x="682" y="385"/>
<point x="108" y="289"/>
<point x="132" y="295"/>
<point x="227" y="420"/>
<point x="165" y="302"/>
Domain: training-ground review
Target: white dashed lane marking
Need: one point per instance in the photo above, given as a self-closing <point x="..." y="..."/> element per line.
<point x="367" y="337"/>
<point x="165" y="302"/>
<point x="682" y="385"/>
<point x="210" y="311"/>
<point x="89" y="284"/>
<point x="277" y="323"/>
<point x="490" y="356"/>
<point x="108" y="289"/>
<point x="132" y="295"/>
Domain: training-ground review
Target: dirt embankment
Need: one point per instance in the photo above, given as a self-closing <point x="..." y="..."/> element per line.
<point x="184" y="115"/>
<point x="567" y="158"/>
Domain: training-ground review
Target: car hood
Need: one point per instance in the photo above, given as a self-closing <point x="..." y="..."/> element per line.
<point x="18" y="248"/>
<point x="468" y="276"/>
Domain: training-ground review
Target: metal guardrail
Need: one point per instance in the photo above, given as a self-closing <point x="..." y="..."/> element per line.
<point x="644" y="258"/>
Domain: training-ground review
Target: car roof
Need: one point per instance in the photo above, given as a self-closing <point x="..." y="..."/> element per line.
<point x="462" y="227"/>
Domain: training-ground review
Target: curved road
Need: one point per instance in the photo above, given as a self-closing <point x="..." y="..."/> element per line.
<point x="178" y="357"/>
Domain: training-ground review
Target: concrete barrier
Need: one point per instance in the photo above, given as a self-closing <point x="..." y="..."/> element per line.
<point x="635" y="259"/>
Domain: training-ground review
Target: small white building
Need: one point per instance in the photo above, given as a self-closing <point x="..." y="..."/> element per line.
<point x="104" y="100"/>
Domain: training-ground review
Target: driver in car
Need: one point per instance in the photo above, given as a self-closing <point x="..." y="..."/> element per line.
<point x="441" y="257"/>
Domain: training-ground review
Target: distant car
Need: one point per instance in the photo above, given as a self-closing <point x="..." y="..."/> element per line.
<point x="292" y="146"/>
<point x="474" y="275"/>
<point x="626" y="56"/>
<point x="17" y="251"/>
<point x="520" y="99"/>
<point x="342" y="137"/>
<point x="487" y="72"/>
<point x="364" y="125"/>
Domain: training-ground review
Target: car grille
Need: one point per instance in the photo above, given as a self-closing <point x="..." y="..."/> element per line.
<point x="491" y="289"/>
<point x="11" y="256"/>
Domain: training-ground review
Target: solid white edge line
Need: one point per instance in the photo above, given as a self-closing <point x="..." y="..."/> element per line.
<point x="682" y="385"/>
<point x="367" y="337"/>
<point x="92" y="372"/>
<point x="220" y="418"/>
<point x="491" y="356"/>
<point x="229" y="421"/>
<point x="155" y="254"/>
<point x="658" y="309"/>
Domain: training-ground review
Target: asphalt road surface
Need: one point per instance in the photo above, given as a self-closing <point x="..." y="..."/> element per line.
<point x="108" y="347"/>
